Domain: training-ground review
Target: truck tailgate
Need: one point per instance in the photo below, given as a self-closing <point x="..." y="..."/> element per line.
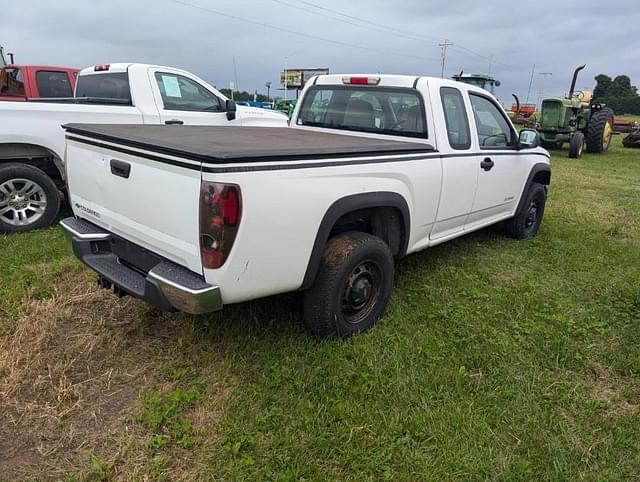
<point x="150" y="203"/>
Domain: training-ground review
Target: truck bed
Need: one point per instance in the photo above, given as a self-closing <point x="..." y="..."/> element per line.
<point x="223" y="145"/>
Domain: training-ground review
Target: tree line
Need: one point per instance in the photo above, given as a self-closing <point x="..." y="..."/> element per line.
<point x="617" y="93"/>
<point x="244" y="95"/>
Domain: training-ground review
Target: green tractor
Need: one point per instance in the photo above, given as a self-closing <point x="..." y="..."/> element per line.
<point x="483" y="81"/>
<point x="576" y="120"/>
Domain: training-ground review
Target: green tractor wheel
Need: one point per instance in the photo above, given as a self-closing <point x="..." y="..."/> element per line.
<point x="576" y="145"/>
<point x="600" y="130"/>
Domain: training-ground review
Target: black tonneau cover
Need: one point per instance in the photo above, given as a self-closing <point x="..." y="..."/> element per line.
<point x="219" y="145"/>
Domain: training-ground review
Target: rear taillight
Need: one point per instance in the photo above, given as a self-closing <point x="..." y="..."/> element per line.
<point x="220" y="210"/>
<point x="101" y="68"/>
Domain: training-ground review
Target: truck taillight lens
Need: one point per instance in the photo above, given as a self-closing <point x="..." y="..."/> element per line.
<point x="361" y="80"/>
<point x="220" y="210"/>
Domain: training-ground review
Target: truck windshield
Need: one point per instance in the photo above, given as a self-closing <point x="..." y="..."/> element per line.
<point x="105" y="86"/>
<point x="379" y="110"/>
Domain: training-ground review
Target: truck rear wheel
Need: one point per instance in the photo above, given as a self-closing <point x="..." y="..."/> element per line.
<point x="29" y="199"/>
<point x="600" y="131"/>
<point x="526" y="222"/>
<point x="352" y="287"/>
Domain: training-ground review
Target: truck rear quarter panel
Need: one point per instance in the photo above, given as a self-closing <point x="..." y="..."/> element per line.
<point x="282" y="210"/>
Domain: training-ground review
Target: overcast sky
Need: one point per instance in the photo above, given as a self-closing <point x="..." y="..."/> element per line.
<point x="390" y="36"/>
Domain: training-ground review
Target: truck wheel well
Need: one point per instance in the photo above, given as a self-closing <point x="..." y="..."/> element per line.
<point x="45" y="165"/>
<point x="542" y="177"/>
<point x="383" y="214"/>
<point x="33" y="155"/>
<point x="384" y="222"/>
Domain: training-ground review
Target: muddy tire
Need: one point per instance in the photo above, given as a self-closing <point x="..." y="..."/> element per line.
<point x="600" y="131"/>
<point x="29" y="199"/>
<point x="526" y="222"/>
<point x="352" y="286"/>
<point x="576" y="145"/>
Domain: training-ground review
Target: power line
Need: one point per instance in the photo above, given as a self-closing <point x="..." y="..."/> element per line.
<point x="293" y="32"/>
<point x="402" y="33"/>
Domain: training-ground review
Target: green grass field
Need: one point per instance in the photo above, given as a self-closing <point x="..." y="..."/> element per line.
<point x="496" y="359"/>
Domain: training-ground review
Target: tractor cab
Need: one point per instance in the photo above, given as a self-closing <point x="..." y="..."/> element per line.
<point x="483" y="81"/>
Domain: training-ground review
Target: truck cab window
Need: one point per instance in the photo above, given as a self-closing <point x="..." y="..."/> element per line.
<point x="385" y="110"/>
<point x="111" y="85"/>
<point x="493" y="129"/>
<point x="455" y="116"/>
<point x="11" y="83"/>
<point x="182" y="93"/>
<point x="53" y="84"/>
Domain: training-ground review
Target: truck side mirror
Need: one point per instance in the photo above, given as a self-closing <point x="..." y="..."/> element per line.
<point x="528" y="139"/>
<point x="230" y="107"/>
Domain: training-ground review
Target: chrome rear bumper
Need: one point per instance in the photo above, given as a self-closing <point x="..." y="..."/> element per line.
<point x="139" y="272"/>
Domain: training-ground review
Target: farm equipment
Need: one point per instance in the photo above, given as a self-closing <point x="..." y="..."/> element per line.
<point x="576" y="119"/>
<point x="483" y="81"/>
<point x="624" y="126"/>
<point x="523" y="114"/>
<point x="632" y="139"/>
<point x="285" y="106"/>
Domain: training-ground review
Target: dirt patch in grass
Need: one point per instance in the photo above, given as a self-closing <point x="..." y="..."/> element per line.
<point x="608" y="387"/>
<point x="71" y="375"/>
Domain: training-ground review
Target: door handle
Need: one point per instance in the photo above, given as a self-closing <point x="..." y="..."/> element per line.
<point x="487" y="164"/>
<point x="174" y="122"/>
<point x="120" y="168"/>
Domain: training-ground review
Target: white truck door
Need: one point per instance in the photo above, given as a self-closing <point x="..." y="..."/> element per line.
<point x="184" y="100"/>
<point x="459" y="166"/>
<point x="501" y="169"/>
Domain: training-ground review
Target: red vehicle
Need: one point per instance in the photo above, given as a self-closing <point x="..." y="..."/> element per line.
<point x="24" y="82"/>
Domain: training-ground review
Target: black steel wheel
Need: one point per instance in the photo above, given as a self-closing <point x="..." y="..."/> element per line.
<point x="352" y="287"/>
<point x="526" y="223"/>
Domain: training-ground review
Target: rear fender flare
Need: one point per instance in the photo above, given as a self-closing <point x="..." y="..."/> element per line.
<point x="344" y="206"/>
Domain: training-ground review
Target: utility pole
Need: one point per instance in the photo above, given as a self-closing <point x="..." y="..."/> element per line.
<point x="544" y="77"/>
<point x="443" y="55"/>
<point x="268" y="86"/>
<point x="530" y="82"/>
<point x="235" y="73"/>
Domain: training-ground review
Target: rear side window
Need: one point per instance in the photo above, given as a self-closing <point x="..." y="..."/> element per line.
<point x="105" y="85"/>
<point x="398" y="112"/>
<point x="53" y="84"/>
<point x="182" y="93"/>
<point x="455" y="116"/>
<point x="11" y="83"/>
<point x="493" y="129"/>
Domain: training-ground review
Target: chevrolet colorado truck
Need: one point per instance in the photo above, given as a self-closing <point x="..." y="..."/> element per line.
<point x="32" y="141"/>
<point x="372" y="168"/>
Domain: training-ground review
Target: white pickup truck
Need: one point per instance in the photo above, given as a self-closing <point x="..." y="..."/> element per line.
<point x="373" y="168"/>
<point x="32" y="140"/>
